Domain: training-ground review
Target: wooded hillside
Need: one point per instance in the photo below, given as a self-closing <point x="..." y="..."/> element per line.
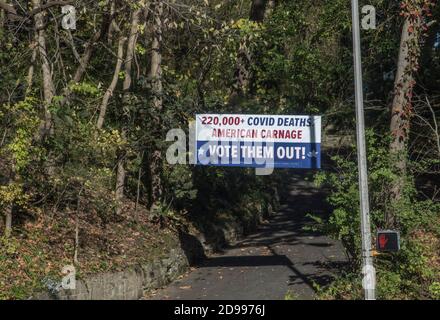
<point x="85" y="111"/>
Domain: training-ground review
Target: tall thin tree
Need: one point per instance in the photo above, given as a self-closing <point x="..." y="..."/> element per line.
<point x="401" y="109"/>
<point x="157" y="100"/>
<point x="128" y="64"/>
<point x="48" y="84"/>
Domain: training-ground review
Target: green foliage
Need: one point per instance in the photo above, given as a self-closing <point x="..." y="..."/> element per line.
<point x="18" y="150"/>
<point x="434" y="290"/>
<point x="347" y="287"/>
<point x="181" y="184"/>
<point x="300" y="62"/>
<point x="409" y="273"/>
<point x="85" y="88"/>
<point x="22" y="121"/>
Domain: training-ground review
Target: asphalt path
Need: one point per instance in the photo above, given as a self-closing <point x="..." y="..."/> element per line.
<point x="281" y="259"/>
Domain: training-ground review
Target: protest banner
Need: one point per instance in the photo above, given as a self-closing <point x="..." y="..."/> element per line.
<point x="258" y="141"/>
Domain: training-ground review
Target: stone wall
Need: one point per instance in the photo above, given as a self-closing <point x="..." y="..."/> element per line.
<point x="124" y="285"/>
<point x="131" y="284"/>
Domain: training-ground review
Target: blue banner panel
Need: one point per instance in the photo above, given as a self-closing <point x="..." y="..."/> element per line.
<point x="259" y="154"/>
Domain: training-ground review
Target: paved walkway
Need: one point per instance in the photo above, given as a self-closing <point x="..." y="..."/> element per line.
<point x="280" y="258"/>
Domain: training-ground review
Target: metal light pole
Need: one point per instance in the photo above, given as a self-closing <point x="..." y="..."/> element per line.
<point x="368" y="269"/>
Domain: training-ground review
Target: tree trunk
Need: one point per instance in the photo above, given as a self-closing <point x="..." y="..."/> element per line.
<point x="156" y="57"/>
<point x="2" y="19"/>
<point x="130" y="49"/>
<point x="271" y="4"/>
<point x="85" y="59"/>
<point x="258" y="10"/>
<point x="75" y="252"/>
<point x="77" y="212"/>
<point x="120" y="175"/>
<point x="157" y="100"/>
<point x="401" y="109"/>
<point x="48" y="86"/>
<point x="242" y="82"/>
<point x="86" y="56"/>
<point x="112" y="86"/>
<point x="8" y="220"/>
<point x="111" y="26"/>
<point x="30" y="76"/>
<point x="9" y="13"/>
